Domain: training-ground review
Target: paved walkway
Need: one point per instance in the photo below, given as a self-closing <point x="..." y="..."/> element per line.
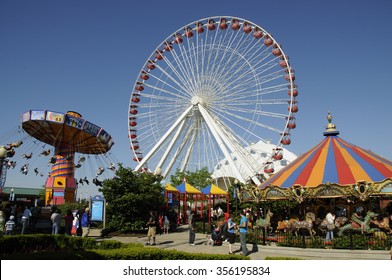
<point x="179" y="241"/>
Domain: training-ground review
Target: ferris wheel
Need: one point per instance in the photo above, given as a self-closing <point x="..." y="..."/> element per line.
<point x="206" y="93"/>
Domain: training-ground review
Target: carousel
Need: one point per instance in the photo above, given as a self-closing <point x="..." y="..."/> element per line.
<point x="334" y="176"/>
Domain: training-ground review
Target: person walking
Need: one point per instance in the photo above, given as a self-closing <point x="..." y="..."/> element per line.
<point x="192" y="228"/>
<point x="152" y="228"/>
<point x="330" y="218"/>
<point x="76" y="225"/>
<point x="243" y="231"/>
<point x="55" y="218"/>
<point x="10" y="226"/>
<point x="85" y="223"/>
<point x="230" y="232"/>
<point x="166" y="224"/>
<point x="68" y="218"/>
<point x="25" y="219"/>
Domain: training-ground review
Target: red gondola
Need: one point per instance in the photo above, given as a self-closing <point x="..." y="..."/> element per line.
<point x="276" y="52"/>
<point x="247" y="28"/>
<point x="291" y="124"/>
<point x="159" y="55"/>
<point x="223" y="23"/>
<point x="290" y="74"/>
<point x="283" y="63"/>
<point x="177" y="38"/>
<point x="168" y="46"/>
<point x="268" y="41"/>
<point x="295" y="91"/>
<point x="278" y="154"/>
<point x="188" y="32"/>
<point x="139" y="88"/>
<point x="151" y="65"/>
<point x="199" y="27"/>
<point x="144" y="75"/>
<point x="211" y="24"/>
<point x="269" y="168"/>
<point x="258" y="34"/>
<point x="235" y="24"/>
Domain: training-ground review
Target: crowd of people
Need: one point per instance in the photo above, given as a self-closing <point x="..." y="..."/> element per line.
<point x="19" y="218"/>
<point x="223" y="227"/>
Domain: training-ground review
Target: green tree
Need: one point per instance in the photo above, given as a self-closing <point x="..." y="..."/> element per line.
<point x="198" y="179"/>
<point x="130" y="196"/>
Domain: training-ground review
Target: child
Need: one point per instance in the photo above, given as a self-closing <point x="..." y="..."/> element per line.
<point x="10" y="226"/>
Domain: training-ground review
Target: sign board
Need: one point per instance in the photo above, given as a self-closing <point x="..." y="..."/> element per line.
<point x="97" y="208"/>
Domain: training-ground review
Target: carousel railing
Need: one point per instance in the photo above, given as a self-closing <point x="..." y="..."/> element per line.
<point x="351" y="240"/>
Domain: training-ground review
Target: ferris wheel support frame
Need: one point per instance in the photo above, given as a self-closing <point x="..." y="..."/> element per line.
<point x="218" y="133"/>
<point x="163" y="138"/>
<point x="220" y="142"/>
<point x="176" y="154"/>
<point x="170" y="147"/>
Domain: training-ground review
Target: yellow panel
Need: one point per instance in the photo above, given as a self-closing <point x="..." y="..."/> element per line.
<point x="59" y="182"/>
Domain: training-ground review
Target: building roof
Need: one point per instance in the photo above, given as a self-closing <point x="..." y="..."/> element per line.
<point x="22" y="191"/>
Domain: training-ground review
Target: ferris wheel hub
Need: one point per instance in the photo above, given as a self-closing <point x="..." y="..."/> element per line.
<point x="196" y="100"/>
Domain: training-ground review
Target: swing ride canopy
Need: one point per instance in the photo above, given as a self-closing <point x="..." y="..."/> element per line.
<point x="66" y="130"/>
<point x="333" y="168"/>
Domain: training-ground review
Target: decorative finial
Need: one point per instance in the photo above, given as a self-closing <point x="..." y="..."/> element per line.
<point x="330" y="129"/>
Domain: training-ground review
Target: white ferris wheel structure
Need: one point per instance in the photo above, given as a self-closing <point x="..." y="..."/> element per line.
<point x="206" y="93"/>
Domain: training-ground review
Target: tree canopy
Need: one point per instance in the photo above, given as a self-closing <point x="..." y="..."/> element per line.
<point x="129" y="196"/>
<point x="198" y="179"/>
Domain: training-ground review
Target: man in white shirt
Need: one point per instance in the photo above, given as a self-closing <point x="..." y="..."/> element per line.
<point x="25" y="219"/>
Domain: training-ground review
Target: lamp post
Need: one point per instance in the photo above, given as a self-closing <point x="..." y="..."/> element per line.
<point x="236" y="188"/>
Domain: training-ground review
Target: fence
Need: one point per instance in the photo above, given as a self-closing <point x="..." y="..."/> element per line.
<point x="352" y="240"/>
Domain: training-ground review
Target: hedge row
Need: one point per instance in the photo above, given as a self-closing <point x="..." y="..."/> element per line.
<point x="61" y="247"/>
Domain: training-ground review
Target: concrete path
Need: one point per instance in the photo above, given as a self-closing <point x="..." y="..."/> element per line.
<point x="179" y="241"/>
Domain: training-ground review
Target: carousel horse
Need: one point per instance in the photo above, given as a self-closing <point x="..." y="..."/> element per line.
<point x="356" y="227"/>
<point x="383" y="225"/>
<point x="287" y="225"/>
<point x="265" y="223"/>
<point x="305" y="224"/>
<point x="294" y="224"/>
<point x="339" y="222"/>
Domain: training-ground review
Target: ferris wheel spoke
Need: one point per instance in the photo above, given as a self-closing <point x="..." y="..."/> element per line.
<point x="180" y="82"/>
<point x="181" y="73"/>
<point x="243" y="129"/>
<point x="251" y="121"/>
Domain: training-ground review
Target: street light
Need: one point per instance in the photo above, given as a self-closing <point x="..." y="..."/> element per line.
<point x="236" y="191"/>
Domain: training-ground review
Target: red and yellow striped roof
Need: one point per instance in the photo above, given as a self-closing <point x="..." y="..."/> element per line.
<point x="332" y="161"/>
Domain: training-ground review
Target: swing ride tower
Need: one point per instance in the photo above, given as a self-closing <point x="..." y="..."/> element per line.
<point x="68" y="134"/>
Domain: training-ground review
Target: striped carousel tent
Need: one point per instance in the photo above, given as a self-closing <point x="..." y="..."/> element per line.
<point x="333" y="168"/>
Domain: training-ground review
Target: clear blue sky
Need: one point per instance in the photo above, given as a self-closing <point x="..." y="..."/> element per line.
<point x="86" y="55"/>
